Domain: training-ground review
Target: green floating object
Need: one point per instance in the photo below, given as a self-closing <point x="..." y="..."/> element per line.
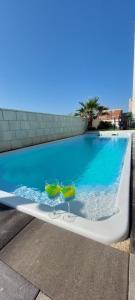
<point x="53" y="190"/>
<point x="68" y="191"/>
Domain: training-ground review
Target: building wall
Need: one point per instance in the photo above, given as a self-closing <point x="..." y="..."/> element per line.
<point x="132" y="107"/>
<point x="20" y="129"/>
<point x="132" y="100"/>
<point x="95" y="123"/>
<point x="114" y="116"/>
<point x="111" y="115"/>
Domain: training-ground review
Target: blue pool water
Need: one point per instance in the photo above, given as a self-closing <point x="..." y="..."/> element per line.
<point x="92" y="164"/>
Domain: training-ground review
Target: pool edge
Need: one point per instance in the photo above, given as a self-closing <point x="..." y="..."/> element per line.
<point x="106" y="231"/>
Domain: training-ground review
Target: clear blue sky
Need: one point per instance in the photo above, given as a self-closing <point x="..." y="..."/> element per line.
<point x="55" y="53"/>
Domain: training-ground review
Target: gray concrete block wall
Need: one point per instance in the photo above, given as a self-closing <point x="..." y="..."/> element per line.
<point x="19" y="128"/>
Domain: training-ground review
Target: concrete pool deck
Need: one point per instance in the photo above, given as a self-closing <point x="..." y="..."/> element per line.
<point x="39" y="260"/>
<point x="61" y="264"/>
<point x="132" y="229"/>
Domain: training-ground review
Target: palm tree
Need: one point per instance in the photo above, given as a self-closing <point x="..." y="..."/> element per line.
<point x="102" y="110"/>
<point x="90" y="109"/>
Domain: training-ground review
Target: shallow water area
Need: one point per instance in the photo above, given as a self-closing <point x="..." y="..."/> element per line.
<point x="92" y="164"/>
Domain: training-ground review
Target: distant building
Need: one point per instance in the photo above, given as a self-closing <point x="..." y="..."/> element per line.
<point x="113" y="116"/>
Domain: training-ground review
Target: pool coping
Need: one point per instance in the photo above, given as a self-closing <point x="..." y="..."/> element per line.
<point x="106" y="231"/>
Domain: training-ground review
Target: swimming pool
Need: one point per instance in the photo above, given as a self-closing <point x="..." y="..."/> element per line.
<point x="93" y="164"/>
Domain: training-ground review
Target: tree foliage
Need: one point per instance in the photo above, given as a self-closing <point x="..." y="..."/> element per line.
<point x="91" y="109"/>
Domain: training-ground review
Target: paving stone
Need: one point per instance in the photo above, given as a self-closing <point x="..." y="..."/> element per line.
<point x="133" y="220"/>
<point x="41" y="296"/>
<point x="132" y="245"/>
<point x="66" y="266"/>
<point x="132" y="197"/>
<point x="11" y="222"/>
<point x="131" y="295"/>
<point x="13" y="286"/>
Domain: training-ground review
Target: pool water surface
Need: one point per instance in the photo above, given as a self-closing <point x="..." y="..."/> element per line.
<point x="92" y="164"/>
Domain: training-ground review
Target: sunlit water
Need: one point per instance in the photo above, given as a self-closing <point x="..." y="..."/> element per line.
<point x="92" y="164"/>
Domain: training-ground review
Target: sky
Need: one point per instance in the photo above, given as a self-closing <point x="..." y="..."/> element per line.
<point x="55" y="53"/>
